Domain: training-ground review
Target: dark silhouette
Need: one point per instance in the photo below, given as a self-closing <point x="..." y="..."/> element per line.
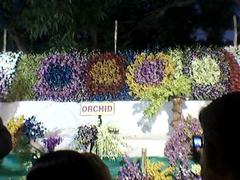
<point x="5" y="140"/>
<point x="220" y="156"/>
<point x="69" y="165"/>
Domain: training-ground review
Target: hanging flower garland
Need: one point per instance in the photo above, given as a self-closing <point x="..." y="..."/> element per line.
<point x="106" y="76"/>
<point x="178" y="147"/>
<point x="8" y="62"/>
<point x="209" y="73"/>
<point x="60" y="78"/>
<point x="234" y="76"/>
<point x="155" y="77"/>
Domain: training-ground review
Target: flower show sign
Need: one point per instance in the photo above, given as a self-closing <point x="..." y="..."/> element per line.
<point x="97" y="108"/>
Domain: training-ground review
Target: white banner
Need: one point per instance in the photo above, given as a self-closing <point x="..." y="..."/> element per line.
<point x="97" y="108"/>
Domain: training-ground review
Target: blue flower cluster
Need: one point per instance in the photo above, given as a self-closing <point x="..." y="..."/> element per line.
<point x="33" y="129"/>
<point x="58" y="76"/>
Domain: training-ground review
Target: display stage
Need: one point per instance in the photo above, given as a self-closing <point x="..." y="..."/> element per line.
<point x="127" y="116"/>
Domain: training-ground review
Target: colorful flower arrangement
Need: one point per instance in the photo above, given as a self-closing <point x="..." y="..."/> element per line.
<point x="23" y="131"/>
<point x="204" y="73"/>
<point x="130" y="170"/>
<point x="178" y="148"/>
<point x="60" y="78"/>
<point x="106" y="76"/>
<point x="208" y="71"/>
<point x="155" y="171"/>
<point x="152" y="77"/>
<point x="86" y="137"/>
<point x="51" y="142"/>
<point x="234" y="76"/>
<point x="8" y="63"/>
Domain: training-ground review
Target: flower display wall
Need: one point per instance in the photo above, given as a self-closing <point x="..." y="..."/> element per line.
<point x="60" y="78"/>
<point x="209" y="73"/>
<point x="105" y="79"/>
<point x="199" y="73"/>
<point x="8" y="62"/>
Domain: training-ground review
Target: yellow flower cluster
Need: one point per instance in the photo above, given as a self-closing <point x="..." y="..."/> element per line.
<point x="14" y="125"/>
<point x="137" y="88"/>
<point x="154" y="171"/>
<point x="106" y="72"/>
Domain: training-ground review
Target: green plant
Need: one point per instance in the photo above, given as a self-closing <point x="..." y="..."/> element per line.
<point x="26" y="77"/>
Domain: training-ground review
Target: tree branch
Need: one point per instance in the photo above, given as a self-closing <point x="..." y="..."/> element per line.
<point x="151" y="18"/>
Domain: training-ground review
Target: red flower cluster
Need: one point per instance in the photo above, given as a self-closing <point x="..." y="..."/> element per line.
<point x="106" y="74"/>
<point x="234" y="75"/>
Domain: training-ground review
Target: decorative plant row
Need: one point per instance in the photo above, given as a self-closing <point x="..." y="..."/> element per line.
<point x="195" y="73"/>
<point x="107" y="142"/>
<point x="104" y="140"/>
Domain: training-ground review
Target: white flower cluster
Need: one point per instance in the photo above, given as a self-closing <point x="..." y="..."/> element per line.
<point x="110" y="144"/>
<point x="8" y="62"/>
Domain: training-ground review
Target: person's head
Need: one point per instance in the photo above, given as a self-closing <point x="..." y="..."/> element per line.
<point x="219" y="120"/>
<point x="5" y="140"/>
<point x="69" y="165"/>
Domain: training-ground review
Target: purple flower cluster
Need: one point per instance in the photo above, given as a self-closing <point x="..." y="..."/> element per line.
<point x="207" y="92"/>
<point x="60" y="78"/>
<point x="150" y="72"/>
<point x="130" y="170"/>
<point x="51" y="142"/>
<point x="33" y="129"/>
<point x="86" y="136"/>
<point x="178" y="147"/>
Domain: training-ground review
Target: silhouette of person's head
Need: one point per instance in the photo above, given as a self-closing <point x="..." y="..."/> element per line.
<point x="69" y="165"/>
<point x="219" y="120"/>
<point x="5" y="140"/>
